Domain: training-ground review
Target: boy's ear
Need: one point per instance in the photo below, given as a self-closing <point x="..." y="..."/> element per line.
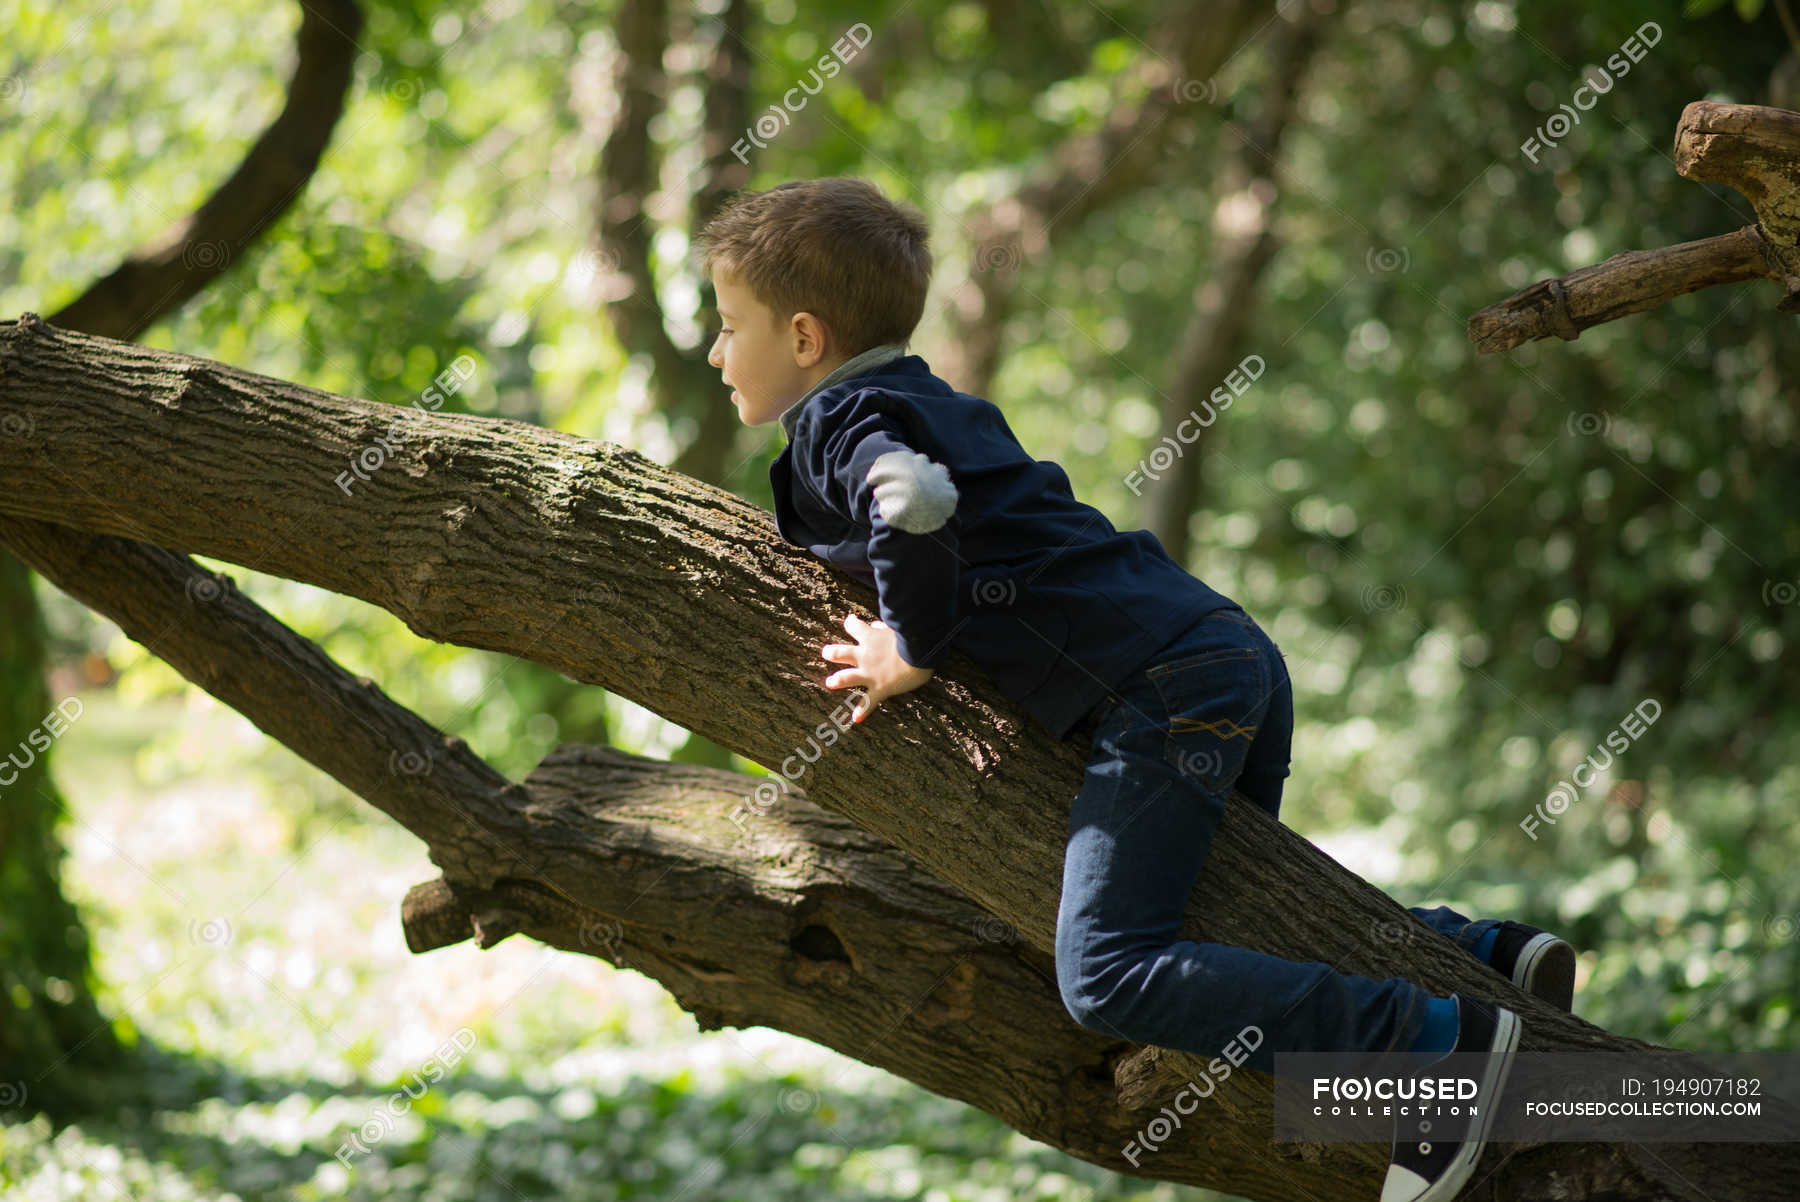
<point x="812" y="341"/>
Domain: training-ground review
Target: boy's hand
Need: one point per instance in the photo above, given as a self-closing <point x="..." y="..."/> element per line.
<point x="876" y="665"/>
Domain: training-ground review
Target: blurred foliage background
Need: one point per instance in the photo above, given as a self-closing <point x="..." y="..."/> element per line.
<point x="1476" y="566"/>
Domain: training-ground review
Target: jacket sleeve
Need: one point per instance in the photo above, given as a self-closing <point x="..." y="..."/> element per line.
<point x="908" y="504"/>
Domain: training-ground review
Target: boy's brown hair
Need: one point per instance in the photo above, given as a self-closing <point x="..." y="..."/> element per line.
<point x="834" y="247"/>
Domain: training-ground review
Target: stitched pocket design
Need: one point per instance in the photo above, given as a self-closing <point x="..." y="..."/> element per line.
<point x="1214" y="701"/>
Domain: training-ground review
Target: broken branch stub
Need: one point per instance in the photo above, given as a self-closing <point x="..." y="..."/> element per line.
<point x="1753" y="149"/>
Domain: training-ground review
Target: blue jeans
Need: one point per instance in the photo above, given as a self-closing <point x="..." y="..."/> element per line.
<point x="1211" y="711"/>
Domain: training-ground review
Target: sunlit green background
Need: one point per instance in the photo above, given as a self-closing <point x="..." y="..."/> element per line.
<point x="1476" y="566"/>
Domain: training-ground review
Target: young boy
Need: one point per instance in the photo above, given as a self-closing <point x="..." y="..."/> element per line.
<point x="924" y="493"/>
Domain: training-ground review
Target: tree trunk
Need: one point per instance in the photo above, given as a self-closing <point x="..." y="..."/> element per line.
<point x="686" y="387"/>
<point x="56" y="1050"/>
<point x="1089" y="172"/>
<point x="1243" y="243"/>
<point x="51" y="1033"/>
<point x="587" y="558"/>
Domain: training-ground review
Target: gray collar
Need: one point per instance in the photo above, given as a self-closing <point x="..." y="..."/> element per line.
<point x="856" y="365"/>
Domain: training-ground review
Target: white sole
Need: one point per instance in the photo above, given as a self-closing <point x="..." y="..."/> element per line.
<point x="1531" y="958"/>
<point x="1506" y="1042"/>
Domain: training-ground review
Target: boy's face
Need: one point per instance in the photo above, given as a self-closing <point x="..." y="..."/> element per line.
<point x="768" y="363"/>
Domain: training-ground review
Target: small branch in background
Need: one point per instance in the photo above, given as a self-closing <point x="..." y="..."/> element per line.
<point x="1787" y="24"/>
<point x="1751" y="148"/>
<point x="163" y="274"/>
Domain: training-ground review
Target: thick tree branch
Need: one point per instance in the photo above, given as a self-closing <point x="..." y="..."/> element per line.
<point x="472" y="818"/>
<point x="163" y="274"/>
<point x="794" y="918"/>
<point x="588" y="558"/>
<point x="1751" y="148"/>
<point x="578" y="554"/>
<point x="752" y="910"/>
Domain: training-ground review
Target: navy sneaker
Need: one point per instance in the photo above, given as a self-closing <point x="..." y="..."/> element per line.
<point x="1433" y="1158"/>
<point x="1537" y="962"/>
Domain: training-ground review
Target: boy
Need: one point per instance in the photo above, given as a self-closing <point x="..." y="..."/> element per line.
<point x="924" y="493"/>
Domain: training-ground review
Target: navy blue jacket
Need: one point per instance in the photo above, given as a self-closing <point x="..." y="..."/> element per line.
<point x="1040" y="590"/>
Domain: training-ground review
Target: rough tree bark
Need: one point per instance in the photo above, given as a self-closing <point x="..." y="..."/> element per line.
<point x="590" y="559"/>
<point x="1749" y="147"/>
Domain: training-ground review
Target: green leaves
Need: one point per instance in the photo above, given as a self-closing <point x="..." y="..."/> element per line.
<point x="1749" y="10"/>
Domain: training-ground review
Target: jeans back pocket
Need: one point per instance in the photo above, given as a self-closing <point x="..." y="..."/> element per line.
<point x="1213" y="700"/>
